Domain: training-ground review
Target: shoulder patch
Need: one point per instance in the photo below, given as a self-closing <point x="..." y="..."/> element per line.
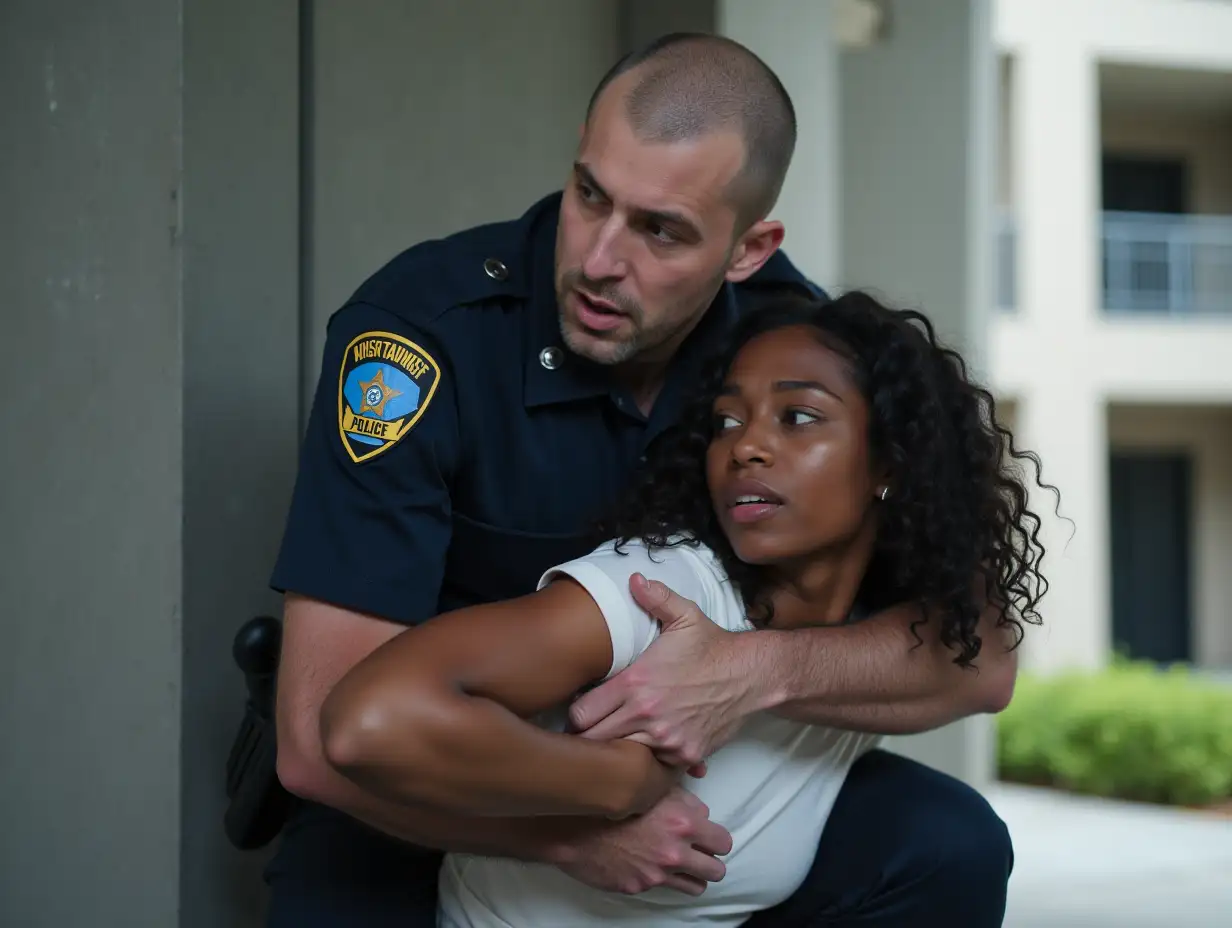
<point x="384" y="385"/>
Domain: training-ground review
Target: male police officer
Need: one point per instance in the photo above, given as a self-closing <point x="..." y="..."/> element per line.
<point x="482" y="400"/>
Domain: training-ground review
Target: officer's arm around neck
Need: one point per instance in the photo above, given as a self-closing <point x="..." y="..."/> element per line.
<point x="877" y="676"/>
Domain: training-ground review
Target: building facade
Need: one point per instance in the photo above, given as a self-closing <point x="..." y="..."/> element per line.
<point x="1111" y="338"/>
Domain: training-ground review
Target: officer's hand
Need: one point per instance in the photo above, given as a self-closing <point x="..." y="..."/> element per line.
<point x="685" y="696"/>
<point x="655" y="780"/>
<point x="674" y="845"/>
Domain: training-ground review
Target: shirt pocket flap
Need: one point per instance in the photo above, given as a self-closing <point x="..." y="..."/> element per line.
<point x="486" y="563"/>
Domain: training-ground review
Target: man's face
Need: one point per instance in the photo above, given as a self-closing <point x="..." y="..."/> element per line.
<point x="646" y="237"/>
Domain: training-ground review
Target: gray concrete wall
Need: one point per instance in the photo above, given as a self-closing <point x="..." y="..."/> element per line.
<point x="241" y="300"/>
<point x="150" y="250"/>
<point x="918" y="156"/>
<point x="428" y="118"/>
<point x="91" y="494"/>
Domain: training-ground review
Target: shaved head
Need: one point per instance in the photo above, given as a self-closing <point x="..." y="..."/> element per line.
<point x="686" y="85"/>
<point x="682" y="156"/>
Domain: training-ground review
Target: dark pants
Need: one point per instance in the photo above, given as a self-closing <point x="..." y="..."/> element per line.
<point x="904" y="845"/>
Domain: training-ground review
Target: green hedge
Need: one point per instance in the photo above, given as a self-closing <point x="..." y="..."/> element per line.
<point x="1130" y="732"/>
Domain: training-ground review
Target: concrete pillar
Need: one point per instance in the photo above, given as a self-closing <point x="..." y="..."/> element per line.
<point x="150" y="407"/>
<point x="1068" y="428"/>
<point x="1056" y="124"/>
<point x="918" y="133"/>
<point x="796" y="39"/>
<point x="918" y="165"/>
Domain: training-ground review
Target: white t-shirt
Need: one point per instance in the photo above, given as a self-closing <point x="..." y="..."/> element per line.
<point x="772" y="786"/>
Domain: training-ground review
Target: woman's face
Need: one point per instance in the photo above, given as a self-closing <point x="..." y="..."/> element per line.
<point x="789" y="466"/>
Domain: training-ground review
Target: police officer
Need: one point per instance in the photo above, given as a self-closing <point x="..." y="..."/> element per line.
<point x="482" y="401"/>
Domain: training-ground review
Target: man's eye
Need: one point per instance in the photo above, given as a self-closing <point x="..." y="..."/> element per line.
<point x="662" y="235"/>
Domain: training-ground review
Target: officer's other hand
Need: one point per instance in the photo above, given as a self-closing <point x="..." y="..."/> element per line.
<point x="655" y="782"/>
<point x="673" y="845"/>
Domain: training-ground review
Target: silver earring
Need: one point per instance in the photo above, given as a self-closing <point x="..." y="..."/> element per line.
<point x="885" y="493"/>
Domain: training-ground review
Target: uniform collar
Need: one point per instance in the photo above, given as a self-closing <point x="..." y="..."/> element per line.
<point x="553" y="374"/>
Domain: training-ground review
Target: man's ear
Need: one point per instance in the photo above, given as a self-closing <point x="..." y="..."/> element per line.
<point x="756" y="245"/>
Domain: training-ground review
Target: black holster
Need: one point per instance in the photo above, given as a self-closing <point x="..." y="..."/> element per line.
<point x="257" y="804"/>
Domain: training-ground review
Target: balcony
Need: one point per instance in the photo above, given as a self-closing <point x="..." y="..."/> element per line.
<point x="1167" y="264"/>
<point x="1158" y="264"/>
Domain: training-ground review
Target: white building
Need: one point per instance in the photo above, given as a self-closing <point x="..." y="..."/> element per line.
<point x="1113" y="337"/>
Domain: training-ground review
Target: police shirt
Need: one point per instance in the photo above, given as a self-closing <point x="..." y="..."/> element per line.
<point x="455" y="449"/>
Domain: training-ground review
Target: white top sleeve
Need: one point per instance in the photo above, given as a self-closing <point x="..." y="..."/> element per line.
<point x="605" y="574"/>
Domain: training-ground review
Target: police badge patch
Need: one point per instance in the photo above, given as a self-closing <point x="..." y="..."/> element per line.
<point x="385" y="384"/>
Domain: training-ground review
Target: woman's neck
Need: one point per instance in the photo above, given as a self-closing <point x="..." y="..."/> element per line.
<point x="822" y="589"/>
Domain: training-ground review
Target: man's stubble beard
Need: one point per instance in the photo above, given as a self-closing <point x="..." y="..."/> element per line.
<point x="610" y="353"/>
<point x="642" y="341"/>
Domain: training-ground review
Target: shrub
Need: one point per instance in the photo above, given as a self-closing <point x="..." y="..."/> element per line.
<point x="1131" y="731"/>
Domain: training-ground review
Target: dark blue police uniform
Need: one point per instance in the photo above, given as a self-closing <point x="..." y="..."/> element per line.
<point x="456" y="450"/>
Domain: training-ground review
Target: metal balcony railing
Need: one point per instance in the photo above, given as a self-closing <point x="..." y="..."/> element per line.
<point x="1169" y="264"/>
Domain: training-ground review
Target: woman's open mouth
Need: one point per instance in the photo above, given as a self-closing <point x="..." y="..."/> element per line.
<point x="752" y="501"/>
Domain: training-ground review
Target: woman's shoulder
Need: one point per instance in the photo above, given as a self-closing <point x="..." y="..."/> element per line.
<point x="685" y="564"/>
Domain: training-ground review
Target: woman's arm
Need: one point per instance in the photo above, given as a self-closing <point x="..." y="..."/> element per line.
<point x="436" y="715"/>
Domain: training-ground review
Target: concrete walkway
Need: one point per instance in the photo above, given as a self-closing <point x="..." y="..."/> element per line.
<point x="1091" y="863"/>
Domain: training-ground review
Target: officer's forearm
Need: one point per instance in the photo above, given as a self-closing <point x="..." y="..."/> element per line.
<point x="872" y="677"/>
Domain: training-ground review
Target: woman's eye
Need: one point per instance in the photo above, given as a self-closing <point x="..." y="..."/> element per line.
<point x="800" y="417"/>
<point x="723" y="421"/>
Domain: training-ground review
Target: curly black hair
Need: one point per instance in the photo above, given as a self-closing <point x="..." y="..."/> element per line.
<point x="957" y="517"/>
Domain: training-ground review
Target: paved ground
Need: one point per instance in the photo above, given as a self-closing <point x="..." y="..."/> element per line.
<point x="1090" y="863"/>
